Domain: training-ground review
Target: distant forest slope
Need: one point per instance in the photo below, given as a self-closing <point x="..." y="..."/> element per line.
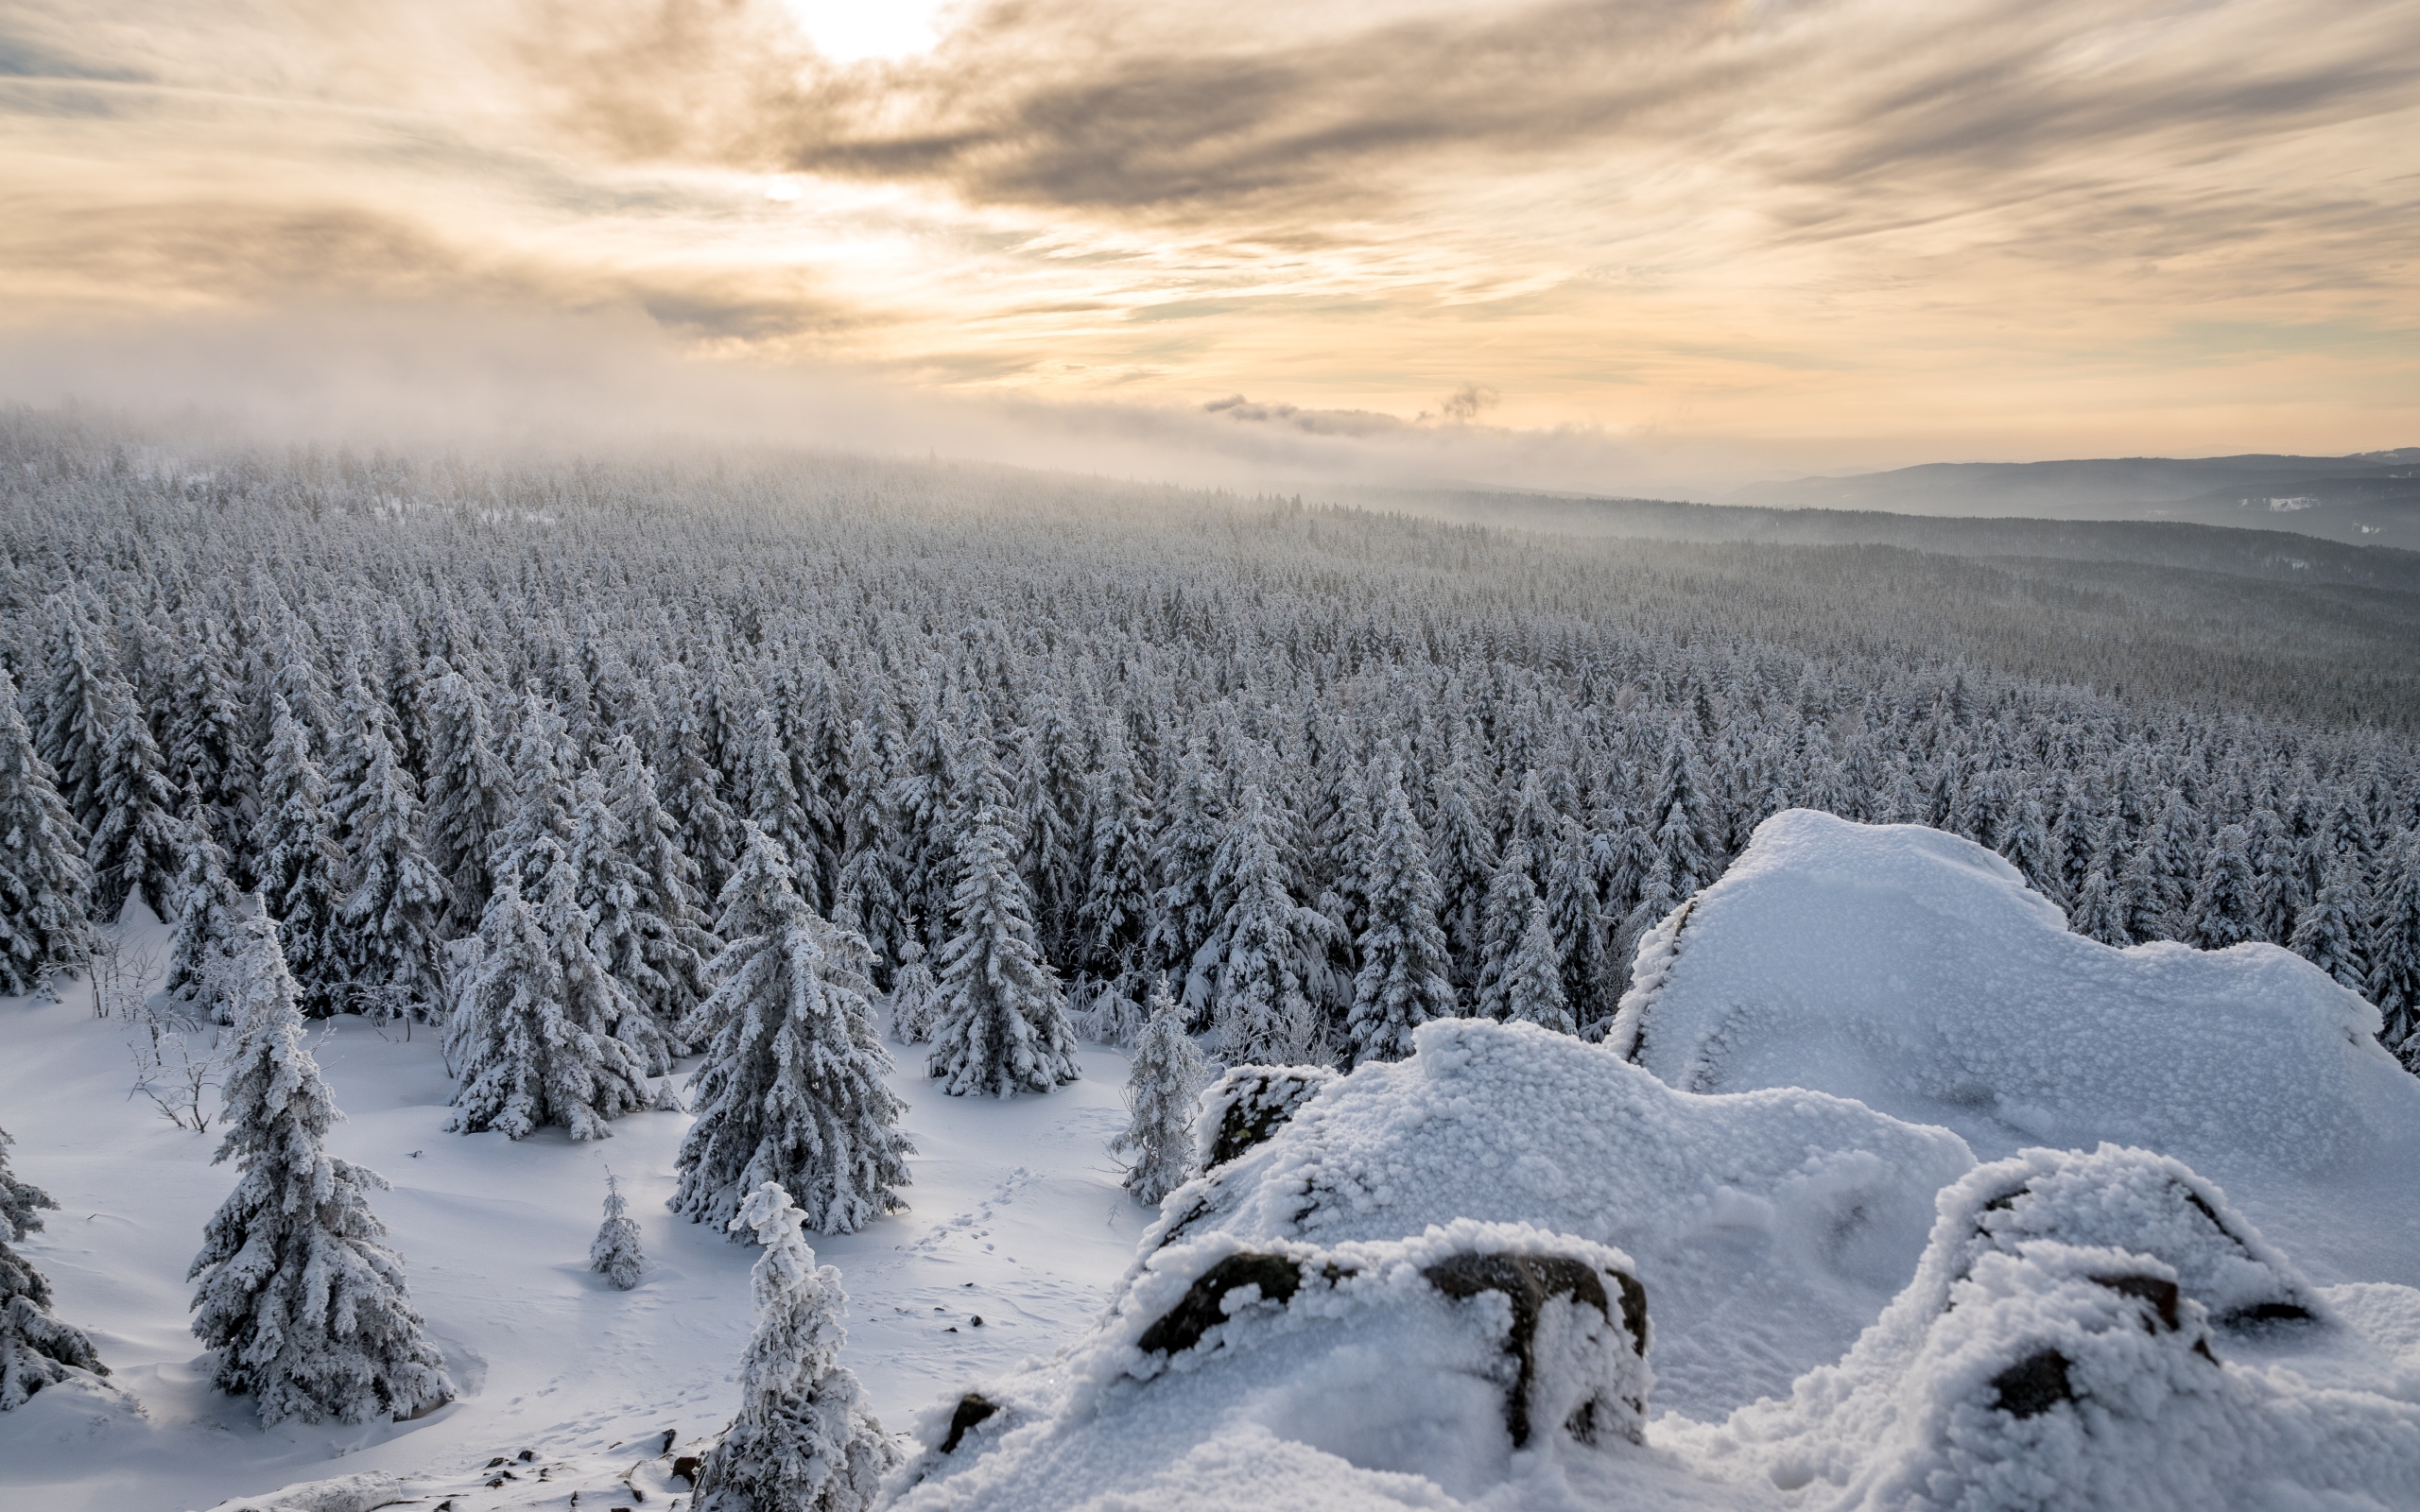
<point x="2245" y="620"/>
<point x="2276" y="555"/>
<point x="2370" y="499"/>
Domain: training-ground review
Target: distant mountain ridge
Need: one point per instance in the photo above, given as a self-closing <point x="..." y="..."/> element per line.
<point x="2371" y="498"/>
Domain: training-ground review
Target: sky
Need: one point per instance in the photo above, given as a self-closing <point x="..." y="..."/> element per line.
<point x="1662" y="244"/>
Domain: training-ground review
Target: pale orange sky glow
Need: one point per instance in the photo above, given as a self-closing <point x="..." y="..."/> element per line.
<point x="1659" y="244"/>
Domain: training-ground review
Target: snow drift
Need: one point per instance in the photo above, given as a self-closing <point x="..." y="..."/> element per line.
<point x="1914" y="972"/>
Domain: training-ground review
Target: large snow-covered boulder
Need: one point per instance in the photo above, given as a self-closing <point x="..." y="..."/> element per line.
<point x="1916" y="973"/>
<point x="1447" y="1357"/>
<point x="1768" y="1227"/>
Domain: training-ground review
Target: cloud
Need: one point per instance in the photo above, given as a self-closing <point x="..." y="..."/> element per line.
<point x="1256" y="113"/>
<point x="1849" y="231"/>
<point x="1310" y="421"/>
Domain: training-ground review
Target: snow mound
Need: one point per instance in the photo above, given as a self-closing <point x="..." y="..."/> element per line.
<point x="1768" y="1227"/>
<point x="1914" y="972"/>
<point x="2071" y="1339"/>
<point x="1447" y="1357"/>
<point x="2100" y="1330"/>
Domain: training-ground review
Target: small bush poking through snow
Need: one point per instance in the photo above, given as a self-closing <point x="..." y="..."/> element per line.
<point x="615" y="1253"/>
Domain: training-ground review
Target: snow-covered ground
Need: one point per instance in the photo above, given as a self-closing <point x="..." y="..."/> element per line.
<point x="1015" y="1216"/>
<point x="1842" y="1307"/>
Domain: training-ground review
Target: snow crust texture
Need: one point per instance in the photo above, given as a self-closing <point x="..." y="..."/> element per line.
<point x="2101" y="1330"/>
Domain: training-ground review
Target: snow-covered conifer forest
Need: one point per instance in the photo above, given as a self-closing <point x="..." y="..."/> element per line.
<point x="594" y="799"/>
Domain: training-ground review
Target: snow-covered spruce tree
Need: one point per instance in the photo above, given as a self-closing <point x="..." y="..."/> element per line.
<point x="865" y="892"/>
<point x="206" y="749"/>
<point x="2025" y="844"/>
<point x="394" y="917"/>
<point x="1680" y="821"/>
<point x="470" y="790"/>
<point x="2394" y="952"/>
<point x="1003" y="1026"/>
<point x="81" y="694"/>
<point x="1168" y="1076"/>
<point x="614" y="1252"/>
<point x="300" y="867"/>
<point x="607" y="914"/>
<point x="136" y="846"/>
<point x="2136" y="894"/>
<point x="1657" y="898"/>
<point x="2325" y="932"/>
<point x="205" y="922"/>
<point x="1183" y="911"/>
<point x="1503" y="922"/>
<point x="364" y="722"/>
<point x="22" y="1203"/>
<point x="915" y="996"/>
<point x="1266" y="950"/>
<point x="2099" y="911"/>
<point x="770" y="786"/>
<point x="1402" y="983"/>
<point x="2226" y="905"/>
<point x="1532" y="980"/>
<point x="303" y="1308"/>
<point x="1576" y="920"/>
<point x="528" y="1048"/>
<point x="36" y="1348"/>
<point x="791" y="1089"/>
<point x="804" y="1439"/>
<point x="2165" y="855"/>
<point x="659" y="944"/>
<point x="1462" y="862"/>
<point x="45" y="888"/>
<point x="692" y="790"/>
<point x="1115" y="912"/>
<point x="294" y="674"/>
<point x="535" y="841"/>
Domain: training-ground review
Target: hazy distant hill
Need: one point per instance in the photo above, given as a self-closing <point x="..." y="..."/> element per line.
<point x="2369" y="499"/>
<point x="2278" y="553"/>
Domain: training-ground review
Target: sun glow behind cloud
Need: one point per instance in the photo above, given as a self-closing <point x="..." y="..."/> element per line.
<point x="1810" y="234"/>
<point x="851" y="31"/>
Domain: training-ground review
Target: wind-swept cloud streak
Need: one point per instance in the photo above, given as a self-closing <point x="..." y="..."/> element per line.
<point x="1834" y="231"/>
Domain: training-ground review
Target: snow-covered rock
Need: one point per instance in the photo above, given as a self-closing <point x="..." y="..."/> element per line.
<point x="1916" y="973"/>
<point x="1461" y="1356"/>
<point x="1768" y="1227"/>
<point x="2075" y="1330"/>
